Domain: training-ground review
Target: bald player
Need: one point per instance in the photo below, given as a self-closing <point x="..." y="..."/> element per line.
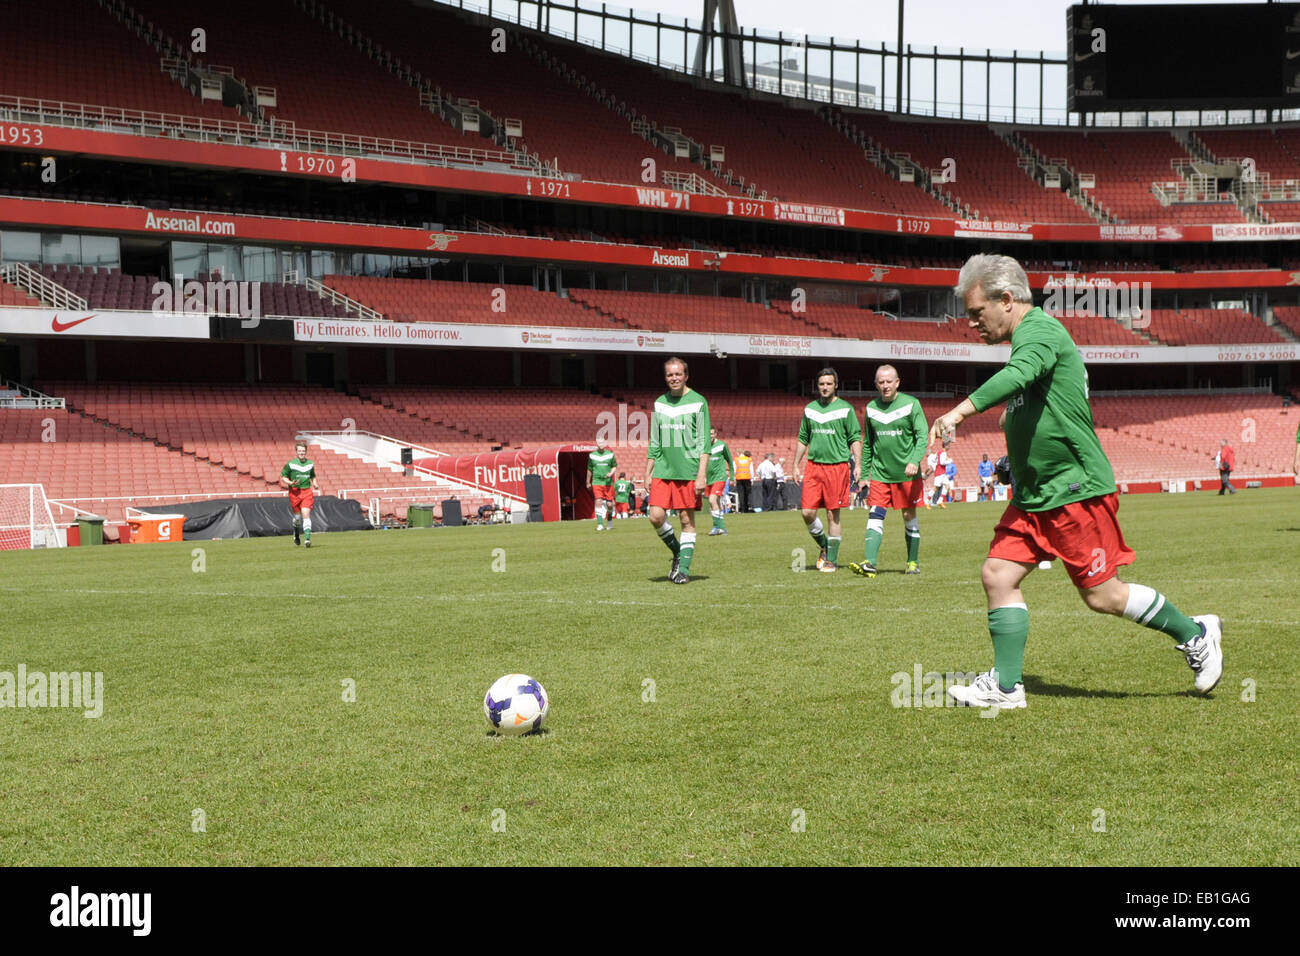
<point x="894" y="439"/>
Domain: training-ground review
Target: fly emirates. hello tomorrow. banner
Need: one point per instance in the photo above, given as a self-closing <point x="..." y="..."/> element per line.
<point x="693" y="343"/>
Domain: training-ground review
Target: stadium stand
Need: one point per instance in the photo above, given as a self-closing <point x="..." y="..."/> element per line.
<point x="770" y="149"/>
<point x="1208" y="327"/>
<point x="1289" y="317"/>
<point x="988" y="183"/>
<point x="419" y="300"/>
<point x="1126" y="164"/>
<point x="1280" y="211"/>
<point x="108" y="288"/>
<point x="99" y="61"/>
<point x="92" y="464"/>
<point x="321" y="81"/>
<point x="15" y="297"/>
<point x="1276" y="152"/>
<point x="247" y="433"/>
<point x="525" y="417"/>
<point x="560" y="123"/>
<point x="690" y="313"/>
<point x="846" y="321"/>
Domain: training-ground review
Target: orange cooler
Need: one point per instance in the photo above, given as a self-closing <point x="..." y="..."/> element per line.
<point x="156" y="528"/>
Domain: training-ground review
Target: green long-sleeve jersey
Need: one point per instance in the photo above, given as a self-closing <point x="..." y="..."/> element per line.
<point x="1055" y="455"/>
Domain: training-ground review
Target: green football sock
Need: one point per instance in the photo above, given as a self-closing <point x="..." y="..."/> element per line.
<point x="667" y="536"/>
<point x="818" y="533"/>
<point x="871" y="544"/>
<point x="1009" y="628"/>
<point x="913" y="531"/>
<point x="833" y="550"/>
<point x="720" y="520"/>
<point x="686" y="552"/>
<point x="1150" y="608"/>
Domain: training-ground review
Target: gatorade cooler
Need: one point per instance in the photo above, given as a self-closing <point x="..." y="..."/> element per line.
<point x="155" y="528"/>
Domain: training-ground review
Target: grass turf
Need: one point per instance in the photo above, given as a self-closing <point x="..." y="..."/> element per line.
<point x="771" y="737"/>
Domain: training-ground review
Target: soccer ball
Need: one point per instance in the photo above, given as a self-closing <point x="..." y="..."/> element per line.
<point x="516" y="704"/>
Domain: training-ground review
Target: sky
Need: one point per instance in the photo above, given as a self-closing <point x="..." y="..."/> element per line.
<point x="1030" y="25"/>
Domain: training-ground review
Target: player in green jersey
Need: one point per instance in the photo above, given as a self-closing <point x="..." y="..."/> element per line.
<point x="622" y="495"/>
<point x="601" y="465"/>
<point x="299" y="476"/>
<point x="831" y="439"/>
<point x="1065" y="499"/>
<point x="677" y="464"/>
<point x="895" y="436"/>
<point x="720" y="474"/>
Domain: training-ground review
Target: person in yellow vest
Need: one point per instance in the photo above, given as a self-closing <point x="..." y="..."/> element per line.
<point x="744" y="473"/>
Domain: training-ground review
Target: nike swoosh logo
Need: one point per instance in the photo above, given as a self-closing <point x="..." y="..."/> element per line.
<point x="58" y="326"/>
<point x="1292" y="56"/>
<point x="1080" y="57"/>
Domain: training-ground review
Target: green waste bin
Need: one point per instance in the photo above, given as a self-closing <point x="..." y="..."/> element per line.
<point x="419" y="516"/>
<point x="91" y="528"/>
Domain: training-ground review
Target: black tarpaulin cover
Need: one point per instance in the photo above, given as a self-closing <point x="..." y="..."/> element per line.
<point x="261" y="517"/>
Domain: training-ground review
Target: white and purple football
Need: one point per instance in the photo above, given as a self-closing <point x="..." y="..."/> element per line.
<point x="516" y="704"/>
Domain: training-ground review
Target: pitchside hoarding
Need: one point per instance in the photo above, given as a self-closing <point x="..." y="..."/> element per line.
<point x="113" y="324"/>
<point x="617" y="340"/>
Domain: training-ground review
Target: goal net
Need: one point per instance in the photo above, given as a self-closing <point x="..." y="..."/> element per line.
<point x="25" y="519"/>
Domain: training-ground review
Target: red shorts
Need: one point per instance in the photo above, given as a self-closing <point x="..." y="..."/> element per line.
<point x="603" y="492"/>
<point x="717" y="488"/>
<point x="620" y="507"/>
<point x="896" y="494"/>
<point x="825" y="486"/>
<point x="1085" y="535"/>
<point x="676" y="495"/>
<point x="300" y="498"/>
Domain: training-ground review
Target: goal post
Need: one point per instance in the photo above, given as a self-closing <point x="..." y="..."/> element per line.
<point x="25" y="519"/>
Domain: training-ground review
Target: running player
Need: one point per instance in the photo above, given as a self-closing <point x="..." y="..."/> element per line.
<point x="601" y="464"/>
<point x="1065" y="500"/>
<point x="677" y="464"/>
<point x="831" y="438"/>
<point x="892" y="454"/>
<point x="720" y="472"/>
<point x="299" y="476"/>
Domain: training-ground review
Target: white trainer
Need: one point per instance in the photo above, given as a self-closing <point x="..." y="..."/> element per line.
<point x="1205" y="653"/>
<point x="985" y="692"/>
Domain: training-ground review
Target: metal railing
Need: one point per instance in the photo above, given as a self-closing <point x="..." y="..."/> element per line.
<point x="48" y="291"/>
<point x="338" y="298"/>
<point x="27" y="397"/>
<point x="691" y="183"/>
<point x="277" y="134"/>
<point x="331" y="440"/>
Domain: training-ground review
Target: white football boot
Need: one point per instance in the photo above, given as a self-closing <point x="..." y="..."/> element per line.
<point x="985" y="692"/>
<point x="1204" y="654"/>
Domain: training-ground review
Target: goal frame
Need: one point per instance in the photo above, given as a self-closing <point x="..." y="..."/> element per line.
<point x="22" y="533"/>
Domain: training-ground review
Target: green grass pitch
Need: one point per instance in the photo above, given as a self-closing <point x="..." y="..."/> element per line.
<point x="767" y="735"/>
